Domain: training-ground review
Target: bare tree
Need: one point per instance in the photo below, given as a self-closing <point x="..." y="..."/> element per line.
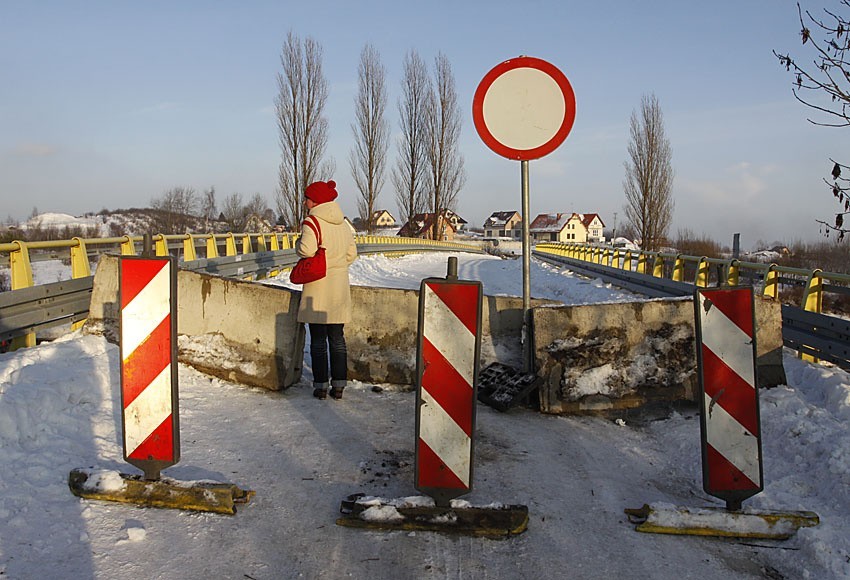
<point x="177" y="207"/>
<point x="302" y="126"/>
<point x="824" y="86"/>
<point x="445" y="162"/>
<point x="367" y="159"/>
<point x="649" y="175"/>
<point x="409" y="173"/>
<point x="208" y="207"/>
<point x="233" y="210"/>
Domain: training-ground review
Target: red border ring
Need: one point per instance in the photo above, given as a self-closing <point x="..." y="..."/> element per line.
<point x="487" y="82"/>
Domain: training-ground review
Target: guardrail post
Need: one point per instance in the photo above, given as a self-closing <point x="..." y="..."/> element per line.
<point x="658" y="266"/>
<point x="627" y="260"/>
<point x="275" y="243"/>
<point x="80" y="267"/>
<point x="771" y="282"/>
<point x="813" y="301"/>
<point x="189" y="254"/>
<point x="128" y="247"/>
<point x="732" y="273"/>
<point x="641" y="265"/>
<point x="679" y="269"/>
<point x="606" y="256"/>
<point x="261" y="243"/>
<point x="246" y="244"/>
<point x="19" y="264"/>
<point x="212" y="247"/>
<point x="229" y="245"/>
<point x="161" y="245"/>
<point x="703" y="274"/>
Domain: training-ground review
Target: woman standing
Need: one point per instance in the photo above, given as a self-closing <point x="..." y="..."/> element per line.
<point x="326" y="304"/>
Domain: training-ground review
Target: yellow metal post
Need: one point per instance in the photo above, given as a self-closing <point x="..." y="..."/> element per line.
<point x="229" y="245"/>
<point x="732" y="273"/>
<point x="80" y="267"/>
<point x="641" y="265"/>
<point x="161" y="245"/>
<point x="771" y="282"/>
<point x="702" y="275"/>
<point x="212" y="247"/>
<point x="813" y="301"/>
<point x="246" y="244"/>
<point x="189" y="253"/>
<point x="679" y="269"/>
<point x="658" y="266"/>
<point x="19" y="263"/>
<point x="128" y="248"/>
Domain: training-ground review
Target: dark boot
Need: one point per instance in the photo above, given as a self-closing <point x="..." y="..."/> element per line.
<point x="336" y="389"/>
<point x="320" y="390"/>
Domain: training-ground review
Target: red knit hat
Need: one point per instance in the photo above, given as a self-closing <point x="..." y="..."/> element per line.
<point x="321" y="192"/>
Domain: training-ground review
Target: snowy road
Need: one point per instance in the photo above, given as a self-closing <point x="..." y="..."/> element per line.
<point x="59" y="411"/>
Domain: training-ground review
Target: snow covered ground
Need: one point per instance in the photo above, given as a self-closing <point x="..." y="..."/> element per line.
<point x="59" y="410"/>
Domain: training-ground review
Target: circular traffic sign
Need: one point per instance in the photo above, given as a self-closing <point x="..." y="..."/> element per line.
<point x="524" y="108"/>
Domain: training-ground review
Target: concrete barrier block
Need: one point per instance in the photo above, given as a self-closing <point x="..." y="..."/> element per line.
<point x="237" y="330"/>
<point x="607" y="358"/>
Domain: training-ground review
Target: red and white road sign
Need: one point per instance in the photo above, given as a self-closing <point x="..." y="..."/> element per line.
<point x="730" y="423"/>
<point x="147" y="294"/>
<point x="524" y="108"/>
<point x="447" y="370"/>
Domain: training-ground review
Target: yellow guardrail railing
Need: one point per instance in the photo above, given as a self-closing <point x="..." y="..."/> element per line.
<point x="727" y="272"/>
<point x="80" y="250"/>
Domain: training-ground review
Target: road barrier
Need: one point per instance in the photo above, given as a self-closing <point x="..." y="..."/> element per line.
<point x="28" y="309"/>
<point x="805" y="328"/>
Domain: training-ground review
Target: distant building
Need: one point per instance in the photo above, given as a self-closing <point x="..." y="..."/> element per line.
<point x="567" y="227"/>
<point x="503" y="224"/>
<point x="594" y="226"/>
<point x="422" y="226"/>
<point x="458" y="223"/>
<point x="383" y="219"/>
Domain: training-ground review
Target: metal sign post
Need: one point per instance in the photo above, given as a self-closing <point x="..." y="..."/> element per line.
<point x="523" y="109"/>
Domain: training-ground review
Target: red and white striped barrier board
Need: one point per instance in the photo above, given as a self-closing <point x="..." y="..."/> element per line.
<point x="148" y="298"/>
<point x="447" y="372"/>
<point x="729" y="419"/>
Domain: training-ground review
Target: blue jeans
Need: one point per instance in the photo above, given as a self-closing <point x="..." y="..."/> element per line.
<point x="323" y="336"/>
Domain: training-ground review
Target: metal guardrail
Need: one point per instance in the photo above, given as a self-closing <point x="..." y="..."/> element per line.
<point x="27" y="309"/>
<point x="816" y="336"/>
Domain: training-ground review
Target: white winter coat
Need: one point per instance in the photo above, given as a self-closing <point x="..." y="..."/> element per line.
<point x="328" y="301"/>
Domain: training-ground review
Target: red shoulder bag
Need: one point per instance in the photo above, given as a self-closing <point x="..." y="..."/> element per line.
<point x="315" y="267"/>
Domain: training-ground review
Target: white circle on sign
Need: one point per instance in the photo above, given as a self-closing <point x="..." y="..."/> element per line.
<point x="524" y="108"/>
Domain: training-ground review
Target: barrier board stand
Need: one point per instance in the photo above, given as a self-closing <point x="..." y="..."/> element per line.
<point x="730" y="429"/>
<point x="147" y="295"/>
<point x="448" y="349"/>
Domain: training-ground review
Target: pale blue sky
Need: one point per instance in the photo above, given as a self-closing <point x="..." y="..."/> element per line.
<point x="109" y="104"/>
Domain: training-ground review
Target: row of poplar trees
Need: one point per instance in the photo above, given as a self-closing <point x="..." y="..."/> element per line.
<point x="429" y="169"/>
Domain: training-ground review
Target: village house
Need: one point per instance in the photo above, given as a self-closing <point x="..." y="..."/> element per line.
<point x="458" y="223"/>
<point x="567" y="227"/>
<point x="594" y="226"/>
<point x="383" y="219"/>
<point x="503" y="224"/>
<point x="422" y="225"/>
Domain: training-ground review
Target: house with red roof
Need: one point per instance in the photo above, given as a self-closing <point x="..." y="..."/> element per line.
<point x="567" y="227"/>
